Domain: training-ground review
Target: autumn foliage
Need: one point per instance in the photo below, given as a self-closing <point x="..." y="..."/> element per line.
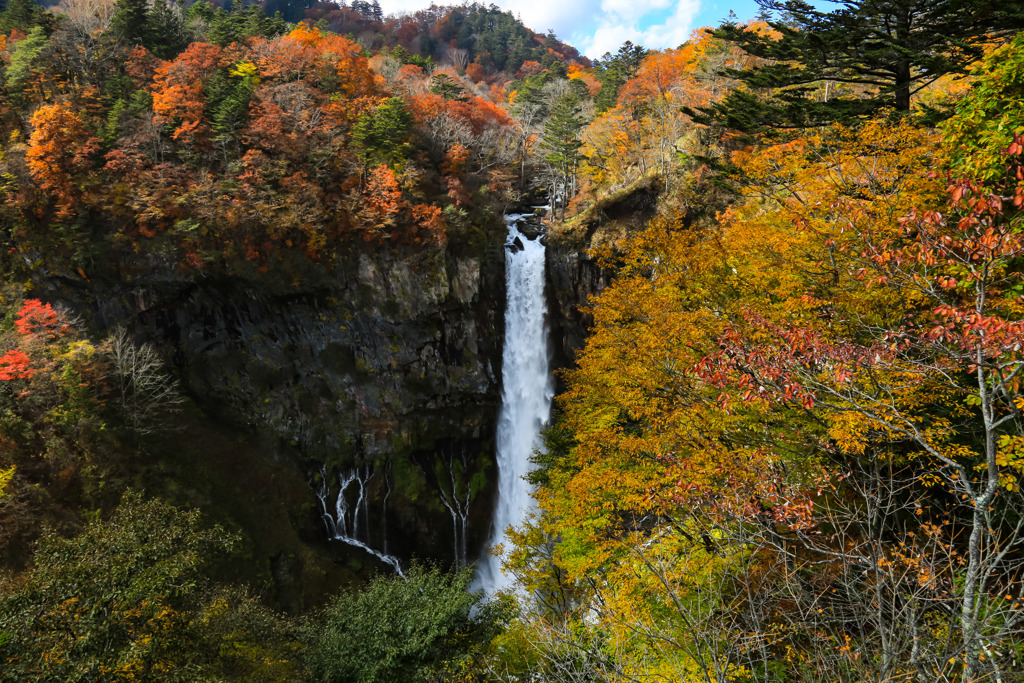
<point x="61" y="149"/>
<point x="237" y="154"/>
<point x="791" y="410"/>
<point x="178" y="89"/>
<point x="15" y="365"/>
<point x="792" y="445"/>
<point x="38" y="319"/>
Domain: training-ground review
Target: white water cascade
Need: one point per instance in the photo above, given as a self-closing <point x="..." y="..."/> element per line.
<point x="344" y="524"/>
<point x="526" y="394"/>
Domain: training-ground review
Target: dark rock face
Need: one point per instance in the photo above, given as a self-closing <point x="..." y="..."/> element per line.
<point x="388" y="365"/>
<point x="531" y="228"/>
<point x="574" y="277"/>
<point x="399" y="348"/>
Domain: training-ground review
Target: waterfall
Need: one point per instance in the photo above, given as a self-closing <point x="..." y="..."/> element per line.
<point x="456" y="495"/>
<point x="527" y="390"/>
<point x="343" y="524"/>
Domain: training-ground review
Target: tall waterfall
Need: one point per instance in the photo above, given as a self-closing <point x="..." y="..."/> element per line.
<point x="526" y="394"/>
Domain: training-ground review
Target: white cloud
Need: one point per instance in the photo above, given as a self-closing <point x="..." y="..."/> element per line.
<point x="608" y="39"/>
<point x="617" y="27"/>
<point x="633" y="8"/>
<point x="676" y="29"/>
<point x="562" y="16"/>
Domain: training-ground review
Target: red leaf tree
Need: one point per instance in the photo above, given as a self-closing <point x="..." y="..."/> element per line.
<point x="959" y="340"/>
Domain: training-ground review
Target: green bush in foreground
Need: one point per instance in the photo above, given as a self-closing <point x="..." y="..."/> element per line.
<point x="422" y="628"/>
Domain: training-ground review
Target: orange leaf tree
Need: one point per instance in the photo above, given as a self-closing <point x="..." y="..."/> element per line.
<point x="61" y="151"/>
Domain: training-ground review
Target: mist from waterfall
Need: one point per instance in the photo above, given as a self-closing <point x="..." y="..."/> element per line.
<point x="527" y="390"/>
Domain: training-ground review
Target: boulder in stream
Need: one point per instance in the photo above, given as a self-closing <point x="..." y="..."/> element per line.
<point x="530" y="229"/>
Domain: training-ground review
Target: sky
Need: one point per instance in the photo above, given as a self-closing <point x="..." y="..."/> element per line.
<point x="598" y="26"/>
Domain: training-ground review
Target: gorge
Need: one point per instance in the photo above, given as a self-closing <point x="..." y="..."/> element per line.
<point x="287" y="346"/>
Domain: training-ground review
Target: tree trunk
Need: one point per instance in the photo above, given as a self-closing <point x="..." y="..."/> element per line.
<point x="903" y="85"/>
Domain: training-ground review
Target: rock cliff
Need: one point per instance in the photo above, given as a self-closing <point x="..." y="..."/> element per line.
<point x="388" y="366"/>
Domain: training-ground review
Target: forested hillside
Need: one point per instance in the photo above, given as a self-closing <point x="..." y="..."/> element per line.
<point x="249" y="267"/>
<point x="788" y="450"/>
<point x="251" y="328"/>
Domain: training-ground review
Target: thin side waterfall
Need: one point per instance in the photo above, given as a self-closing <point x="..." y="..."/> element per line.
<point x="350" y="508"/>
<point x="526" y="394"/>
<point x="456" y="496"/>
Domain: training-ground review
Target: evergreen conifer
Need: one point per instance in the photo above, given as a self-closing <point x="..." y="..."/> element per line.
<point x="561" y="140"/>
<point x="615" y="70"/>
<point x="892" y="48"/>
<point x="131" y="21"/>
<point x="23" y="14"/>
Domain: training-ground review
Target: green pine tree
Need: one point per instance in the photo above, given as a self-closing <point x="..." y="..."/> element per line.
<point x="222" y="29"/>
<point x="614" y="71"/>
<point x="447" y="87"/>
<point x="242" y="22"/>
<point x="893" y="48"/>
<point x="24" y="58"/>
<point x="382" y="136"/>
<point x="201" y="10"/>
<point x="229" y="98"/>
<point x="562" y="141"/>
<point x="23" y="14"/>
<point x="131" y="21"/>
<point x="167" y="35"/>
